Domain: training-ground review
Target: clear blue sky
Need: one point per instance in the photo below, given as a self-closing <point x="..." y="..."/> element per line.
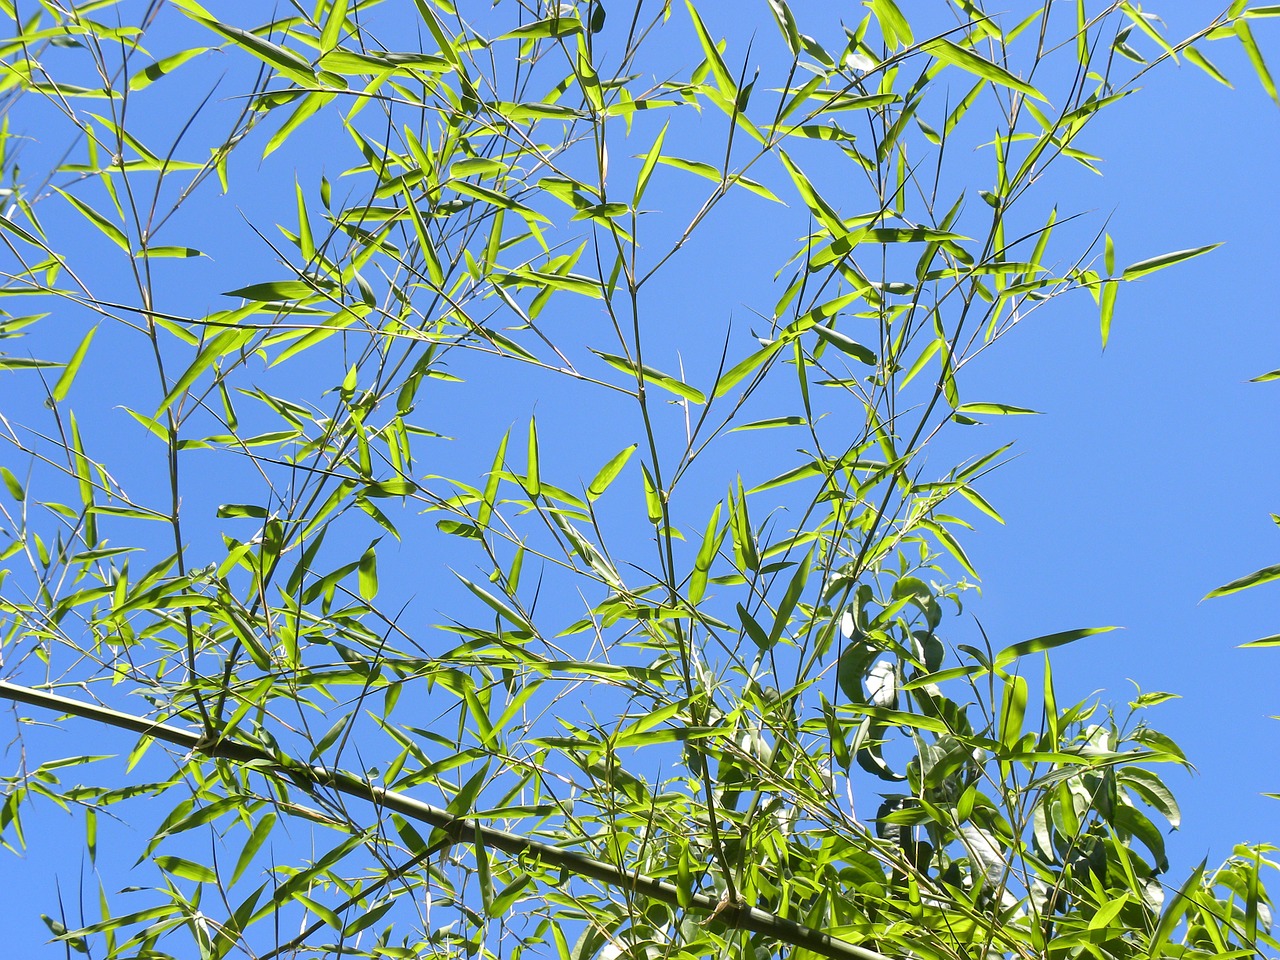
<point x="1147" y="482"/>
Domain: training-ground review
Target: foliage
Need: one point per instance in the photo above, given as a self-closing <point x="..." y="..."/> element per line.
<point x="694" y="607"/>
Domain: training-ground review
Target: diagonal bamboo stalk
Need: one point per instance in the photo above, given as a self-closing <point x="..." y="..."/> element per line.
<point x="463" y="829"/>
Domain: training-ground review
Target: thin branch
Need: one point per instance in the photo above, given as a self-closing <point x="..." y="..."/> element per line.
<point x="461" y="829"/>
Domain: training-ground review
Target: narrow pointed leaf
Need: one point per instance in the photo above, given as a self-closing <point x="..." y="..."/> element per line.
<point x="1048" y="642"/>
<point x="1143" y="267"/>
<point x="1265" y="575"/>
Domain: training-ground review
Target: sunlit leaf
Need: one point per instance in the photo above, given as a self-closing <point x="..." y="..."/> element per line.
<point x="1143" y="267"/>
<point x="1258" y="577"/>
<point x="1047" y="642"/>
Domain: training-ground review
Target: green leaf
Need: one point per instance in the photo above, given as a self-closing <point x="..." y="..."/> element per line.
<point x="609" y="472"/>
<point x="1013" y="707"/>
<point x="232" y="510"/>
<point x="1174" y="910"/>
<point x="1143" y="267"/>
<point x="734" y="375"/>
<point x="533" y="481"/>
<point x="1265" y="575"/>
<point x="1107" y="304"/>
<point x="390" y="488"/>
<point x="1264" y="378"/>
<point x="948" y="52"/>
<point x="160" y="68"/>
<point x="706" y="170"/>
<point x="979" y="407"/>
<point x="753" y="629"/>
<point x="646" y="168"/>
<point x="155" y="253"/>
<point x="770" y="423"/>
<point x="825" y="213"/>
<point x="718" y="69"/>
<point x="109" y="229"/>
<point x="1048" y="642"/>
<point x="652" y="498"/>
<point x="499" y="200"/>
<point x="334" y="23"/>
<point x="649" y="375"/>
<point x="286" y="61"/>
<point x="274" y="291"/>
<point x="459" y="528"/>
<point x="63" y="386"/>
<point x="1254" y="53"/>
<point x="1271" y="641"/>
<point x="787" y="25"/>
<point x="368" y="573"/>
<point x="494" y="477"/>
<point x="186" y="869"/>
<point x="548" y="29"/>
<point x="1200" y="60"/>
<point x="209" y="354"/>
<point x="12" y="484"/>
<point x="893" y="25"/>
<point x="711" y="541"/>
<point x="503" y="610"/>
<point x="795" y="588"/>
<point x="846" y="345"/>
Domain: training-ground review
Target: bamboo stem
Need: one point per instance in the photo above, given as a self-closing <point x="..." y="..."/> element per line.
<point x="463" y="829"/>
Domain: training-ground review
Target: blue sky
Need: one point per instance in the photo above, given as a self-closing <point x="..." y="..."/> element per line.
<point x="1146" y="482"/>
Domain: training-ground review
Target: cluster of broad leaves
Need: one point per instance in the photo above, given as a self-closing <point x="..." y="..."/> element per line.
<point x="699" y="688"/>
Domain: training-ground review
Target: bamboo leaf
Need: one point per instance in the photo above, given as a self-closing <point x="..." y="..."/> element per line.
<point x="533" y="483"/>
<point x="287" y="62"/>
<point x="63" y="386"/>
<point x="652" y="497"/>
<point x="601" y="481"/>
<point x="1143" y="267"/>
<point x="1254" y="53"/>
<point x="735" y="374"/>
<point x="846" y="345"/>
<point x="1048" y="642"/>
<point x="503" y="610"/>
<point x="1257" y="578"/>
<point x="646" y="169"/>
<point x="957" y="56"/>
<point x="105" y="226"/>
<point x="367" y="573"/>
<point x="724" y="80"/>
<point x="649" y="375"/>
<point x="275" y="291"/>
<point x="999" y="409"/>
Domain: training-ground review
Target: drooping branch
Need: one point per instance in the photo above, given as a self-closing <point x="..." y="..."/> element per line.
<point x="462" y="829"/>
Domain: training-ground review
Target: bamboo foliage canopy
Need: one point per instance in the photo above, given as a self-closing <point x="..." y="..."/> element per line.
<point x="453" y="537"/>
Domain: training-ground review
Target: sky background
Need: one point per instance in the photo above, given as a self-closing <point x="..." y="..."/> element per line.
<point x="1147" y="481"/>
